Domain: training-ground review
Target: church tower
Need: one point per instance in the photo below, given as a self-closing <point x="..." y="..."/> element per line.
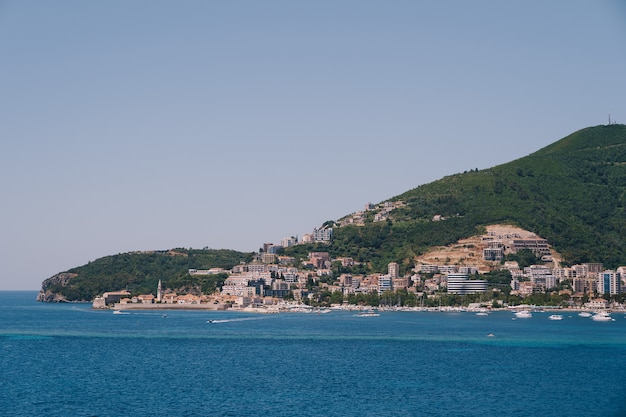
<point x="159" y="296"/>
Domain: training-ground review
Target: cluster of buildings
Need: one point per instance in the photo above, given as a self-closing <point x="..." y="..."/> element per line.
<point x="497" y="248"/>
<point x="381" y="213"/>
<point x="124" y="298"/>
<point x="256" y="280"/>
<point x="260" y="284"/>
<point x="269" y="252"/>
<point x="588" y="278"/>
<point x="271" y="277"/>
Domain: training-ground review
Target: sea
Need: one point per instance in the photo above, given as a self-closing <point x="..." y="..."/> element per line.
<point x="71" y="360"/>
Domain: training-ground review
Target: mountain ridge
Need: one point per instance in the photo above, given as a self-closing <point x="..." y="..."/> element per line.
<point x="572" y="192"/>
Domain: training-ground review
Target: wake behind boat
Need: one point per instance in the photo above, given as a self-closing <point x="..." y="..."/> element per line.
<point x="369" y="313"/>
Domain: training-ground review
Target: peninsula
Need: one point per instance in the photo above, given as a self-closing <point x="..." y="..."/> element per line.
<point x="546" y="229"/>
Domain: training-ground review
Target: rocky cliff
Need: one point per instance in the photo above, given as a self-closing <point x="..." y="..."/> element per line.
<point x="47" y="295"/>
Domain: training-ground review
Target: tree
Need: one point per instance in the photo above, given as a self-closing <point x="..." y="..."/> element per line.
<point x="336" y="297"/>
<point x="524" y="258"/>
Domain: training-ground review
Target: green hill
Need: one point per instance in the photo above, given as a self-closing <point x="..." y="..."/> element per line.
<point x="140" y="272"/>
<point x="571" y="193"/>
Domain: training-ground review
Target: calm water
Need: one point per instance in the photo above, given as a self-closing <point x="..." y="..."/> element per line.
<point x="69" y="360"/>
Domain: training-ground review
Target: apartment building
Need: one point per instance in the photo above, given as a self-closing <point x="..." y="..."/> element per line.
<point x="609" y="282"/>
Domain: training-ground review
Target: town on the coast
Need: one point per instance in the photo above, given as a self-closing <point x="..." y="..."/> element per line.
<point x="443" y="279"/>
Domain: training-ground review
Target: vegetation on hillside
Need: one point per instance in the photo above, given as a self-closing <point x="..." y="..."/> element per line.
<point x="140" y="272"/>
<point x="572" y="193"/>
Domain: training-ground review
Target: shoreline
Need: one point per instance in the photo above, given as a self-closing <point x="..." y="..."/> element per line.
<point x="213" y="307"/>
<point x="308" y="309"/>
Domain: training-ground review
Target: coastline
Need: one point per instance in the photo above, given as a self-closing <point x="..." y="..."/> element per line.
<point x="296" y="308"/>
<point x="137" y="306"/>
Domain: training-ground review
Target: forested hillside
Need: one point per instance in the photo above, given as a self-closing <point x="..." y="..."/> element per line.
<point x="140" y="272"/>
<point x="571" y="193"/>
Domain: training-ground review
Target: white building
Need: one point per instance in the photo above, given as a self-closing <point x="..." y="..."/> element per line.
<point x="323" y="234"/>
<point x="541" y="275"/>
<point x="429" y="269"/>
<point x="447" y="269"/>
<point x="288" y="241"/>
<point x="459" y="284"/>
<point x="211" y="271"/>
<point x="385" y="283"/>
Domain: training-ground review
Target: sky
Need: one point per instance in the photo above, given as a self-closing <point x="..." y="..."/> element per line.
<point x="148" y="125"/>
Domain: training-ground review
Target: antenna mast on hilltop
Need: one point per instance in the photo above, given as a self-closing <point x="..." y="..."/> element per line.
<point x="609" y="118"/>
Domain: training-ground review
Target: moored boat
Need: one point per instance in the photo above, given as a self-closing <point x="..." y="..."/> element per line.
<point x="523" y="314"/>
<point x="555" y="317"/>
<point x="602" y="316"/>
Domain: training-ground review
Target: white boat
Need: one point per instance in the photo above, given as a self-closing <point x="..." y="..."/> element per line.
<point x="602" y="316"/>
<point x="556" y="317"/>
<point x="120" y="312"/>
<point x="482" y="313"/>
<point x="584" y="314"/>
<point x="523" y="314"/>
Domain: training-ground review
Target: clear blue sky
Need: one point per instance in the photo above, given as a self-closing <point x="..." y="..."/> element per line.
<point x="138" y="125"/>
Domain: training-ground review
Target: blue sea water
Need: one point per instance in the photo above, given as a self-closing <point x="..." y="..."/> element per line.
<point x="70" y="360"/>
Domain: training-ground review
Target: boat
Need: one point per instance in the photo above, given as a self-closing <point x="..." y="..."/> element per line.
<point x="584" y="314"/>
<point x="482" y="313"/>
<point x="556" y="317"/>
<point x="602" y="316"/>
<point x="523" y="314"/>
<point x="120" y="312"/>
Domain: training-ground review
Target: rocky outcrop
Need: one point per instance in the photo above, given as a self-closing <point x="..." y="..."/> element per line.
<point x="46" y="294"/>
